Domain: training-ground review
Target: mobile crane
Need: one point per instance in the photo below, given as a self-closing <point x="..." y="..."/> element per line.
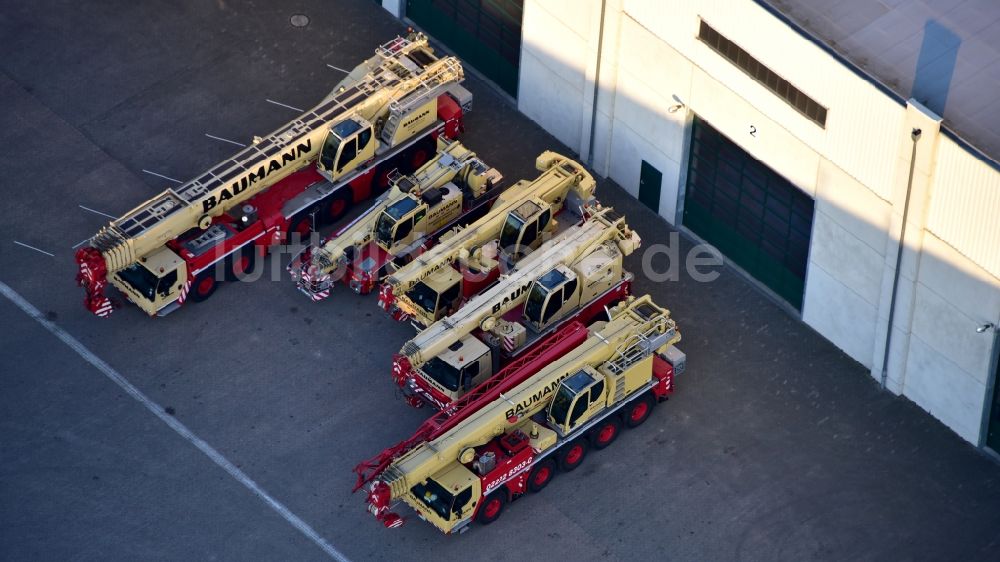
<point x="509" y="435"/>
<point x="573" y="277"/>
<point x="380" y="117"/>
<point x="431" y="285"/>
<point x="453" y="186"/>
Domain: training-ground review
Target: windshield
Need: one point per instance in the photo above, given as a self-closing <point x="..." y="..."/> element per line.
<point x="561" y="403"/>
<point x="423" y="296"/>
<point x="442" y="373"/>
<point x="140" y="279"/>
<point x="533" y="306"/>
<point x="330" y="148"/>
<point x="383" y="228"/>
<point x="510" y="230"/>
<point x="434" y="496"/>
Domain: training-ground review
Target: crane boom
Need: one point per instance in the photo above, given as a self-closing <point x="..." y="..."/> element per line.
<point x="452" y="462"/>
<point x="563" y="181"/>
<point x="391" y="75"/>
<point x="512" y="290"/>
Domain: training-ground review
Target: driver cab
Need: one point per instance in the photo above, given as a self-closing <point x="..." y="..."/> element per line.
<point x="348" y="144"/>
<point x="580" y="397"/>
<point x="448" y="497"/>
<point x="551" y="297"/>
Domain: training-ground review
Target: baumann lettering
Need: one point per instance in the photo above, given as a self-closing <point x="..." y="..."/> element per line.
<point x="253" y="177"/>
<point x="512" y="296"/>
<point x="535" y="398"/>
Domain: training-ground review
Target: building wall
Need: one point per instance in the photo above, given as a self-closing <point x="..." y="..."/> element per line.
<point x="654" y="74"/>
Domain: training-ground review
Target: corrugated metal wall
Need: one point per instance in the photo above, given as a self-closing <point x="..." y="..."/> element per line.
<point x="965" y="205"/>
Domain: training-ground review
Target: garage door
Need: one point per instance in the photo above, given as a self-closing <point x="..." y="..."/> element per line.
<point x="484" y="33"/>
<point x="751" y="214"/>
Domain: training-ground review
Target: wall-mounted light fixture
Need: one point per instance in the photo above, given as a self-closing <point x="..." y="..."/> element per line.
<point x="984" y="328"/>
<point x="678" y="105"/>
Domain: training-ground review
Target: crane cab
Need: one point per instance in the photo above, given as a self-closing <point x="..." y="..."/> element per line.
<point x="522" y="231"/>
<point x="348" y="144"/>
<point x="464" y="365"/>
<point x="403" y="222"/>
<point x="154" y="281"/>
<point x="580" y="396"/>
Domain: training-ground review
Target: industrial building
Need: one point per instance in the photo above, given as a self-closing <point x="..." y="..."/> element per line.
<point x="804" y="140"/>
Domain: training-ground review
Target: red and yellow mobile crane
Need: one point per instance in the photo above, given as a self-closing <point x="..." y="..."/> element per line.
<point x="572" y="277"/>
<point x="452" y="188"/>
<point x="383" y="116"/>
<point x="465" y="259"/>
<point x="509" y="436"/>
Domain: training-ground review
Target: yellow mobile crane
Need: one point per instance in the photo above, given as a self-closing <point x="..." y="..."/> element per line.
<point x="470" y="461"/>
<point x="465" y="259"/>
<point x="573" y="277"/>
<point x="454" y="185"/>
<point x="381" y="116"/>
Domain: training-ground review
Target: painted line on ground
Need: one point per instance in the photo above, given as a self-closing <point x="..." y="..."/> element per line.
<point x="34" y="248"/>
<point x="81" y="243"/>
<point x="283" y="105"/>
<point x="224" y="140"/>
<point x="162" y="176"/>
<point x="338" y="68"/>
<point x="171" y="421"/>
<point x="97" y="212"/>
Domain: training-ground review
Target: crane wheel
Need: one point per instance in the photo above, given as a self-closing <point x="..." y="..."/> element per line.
<point x="300" y="225"/>
<point x="541" y="474"/>
<point x="492" y="507"/>
<point x="337" y="205"/>
<point x="204" y="285"/>
<point x="572" y="455"/>
<point x="606" y="432"/>
<point x="380" y="179"/>
<point x="241" y="264"/>
<point x="638" y="412"/>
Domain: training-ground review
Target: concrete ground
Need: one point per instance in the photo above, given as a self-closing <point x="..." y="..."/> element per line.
<point x="775" y="447"/>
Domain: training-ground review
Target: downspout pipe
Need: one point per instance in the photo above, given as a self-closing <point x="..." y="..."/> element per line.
<point x="914" y="137"/>
<point x="597" y="86"/>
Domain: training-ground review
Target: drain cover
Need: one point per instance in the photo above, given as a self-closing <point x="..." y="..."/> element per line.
<point x="299" y="20"/>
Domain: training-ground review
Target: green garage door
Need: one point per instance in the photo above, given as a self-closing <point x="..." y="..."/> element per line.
<point x="750" y="213"/>
<point x="484" y="33"/>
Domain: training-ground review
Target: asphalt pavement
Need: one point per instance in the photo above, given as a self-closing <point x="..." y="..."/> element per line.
<point x="228" y="430"/>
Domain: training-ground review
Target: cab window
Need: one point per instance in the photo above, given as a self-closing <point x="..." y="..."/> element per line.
<point x="363" y="138"/>
<point x="461" y="500"/>
<point x="596" y="390"/>
<point x="449" y="296"/>
<point x="469" y="373"/>
<point x="403" y="229"/>
<point x="579" y="408"/>
<point x="167" y="282"/>
<point x="348" y="153"/>
<point x="554" y="304"/>
<point x="530" y="234"/>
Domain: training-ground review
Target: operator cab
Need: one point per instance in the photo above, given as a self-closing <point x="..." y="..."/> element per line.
<point x="348" y="144"/>
<point x="395" y="222"/>
<point x="521" y="232"/>
<point x="551" y="297"/>
<point x="579" y="397"/>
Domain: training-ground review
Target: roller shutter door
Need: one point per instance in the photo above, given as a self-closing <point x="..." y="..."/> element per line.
<point x="484" y="33"/>
<point x="754" y="216"/>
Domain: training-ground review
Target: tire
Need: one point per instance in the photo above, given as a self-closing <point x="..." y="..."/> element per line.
<point x="638" y="411"/>
<point x="337" y="205"/>
<point x="606" y="432"/>
<point x="419" y="155"/>
<point x="492" y="507"/>
<point x="241" y="264"/>
<point x="541" y="474"/>
<point x="380" y="179"/>
<point x="302" y="225"/>
<point x="204" y="285"/>
<point x="572" y="455"/>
